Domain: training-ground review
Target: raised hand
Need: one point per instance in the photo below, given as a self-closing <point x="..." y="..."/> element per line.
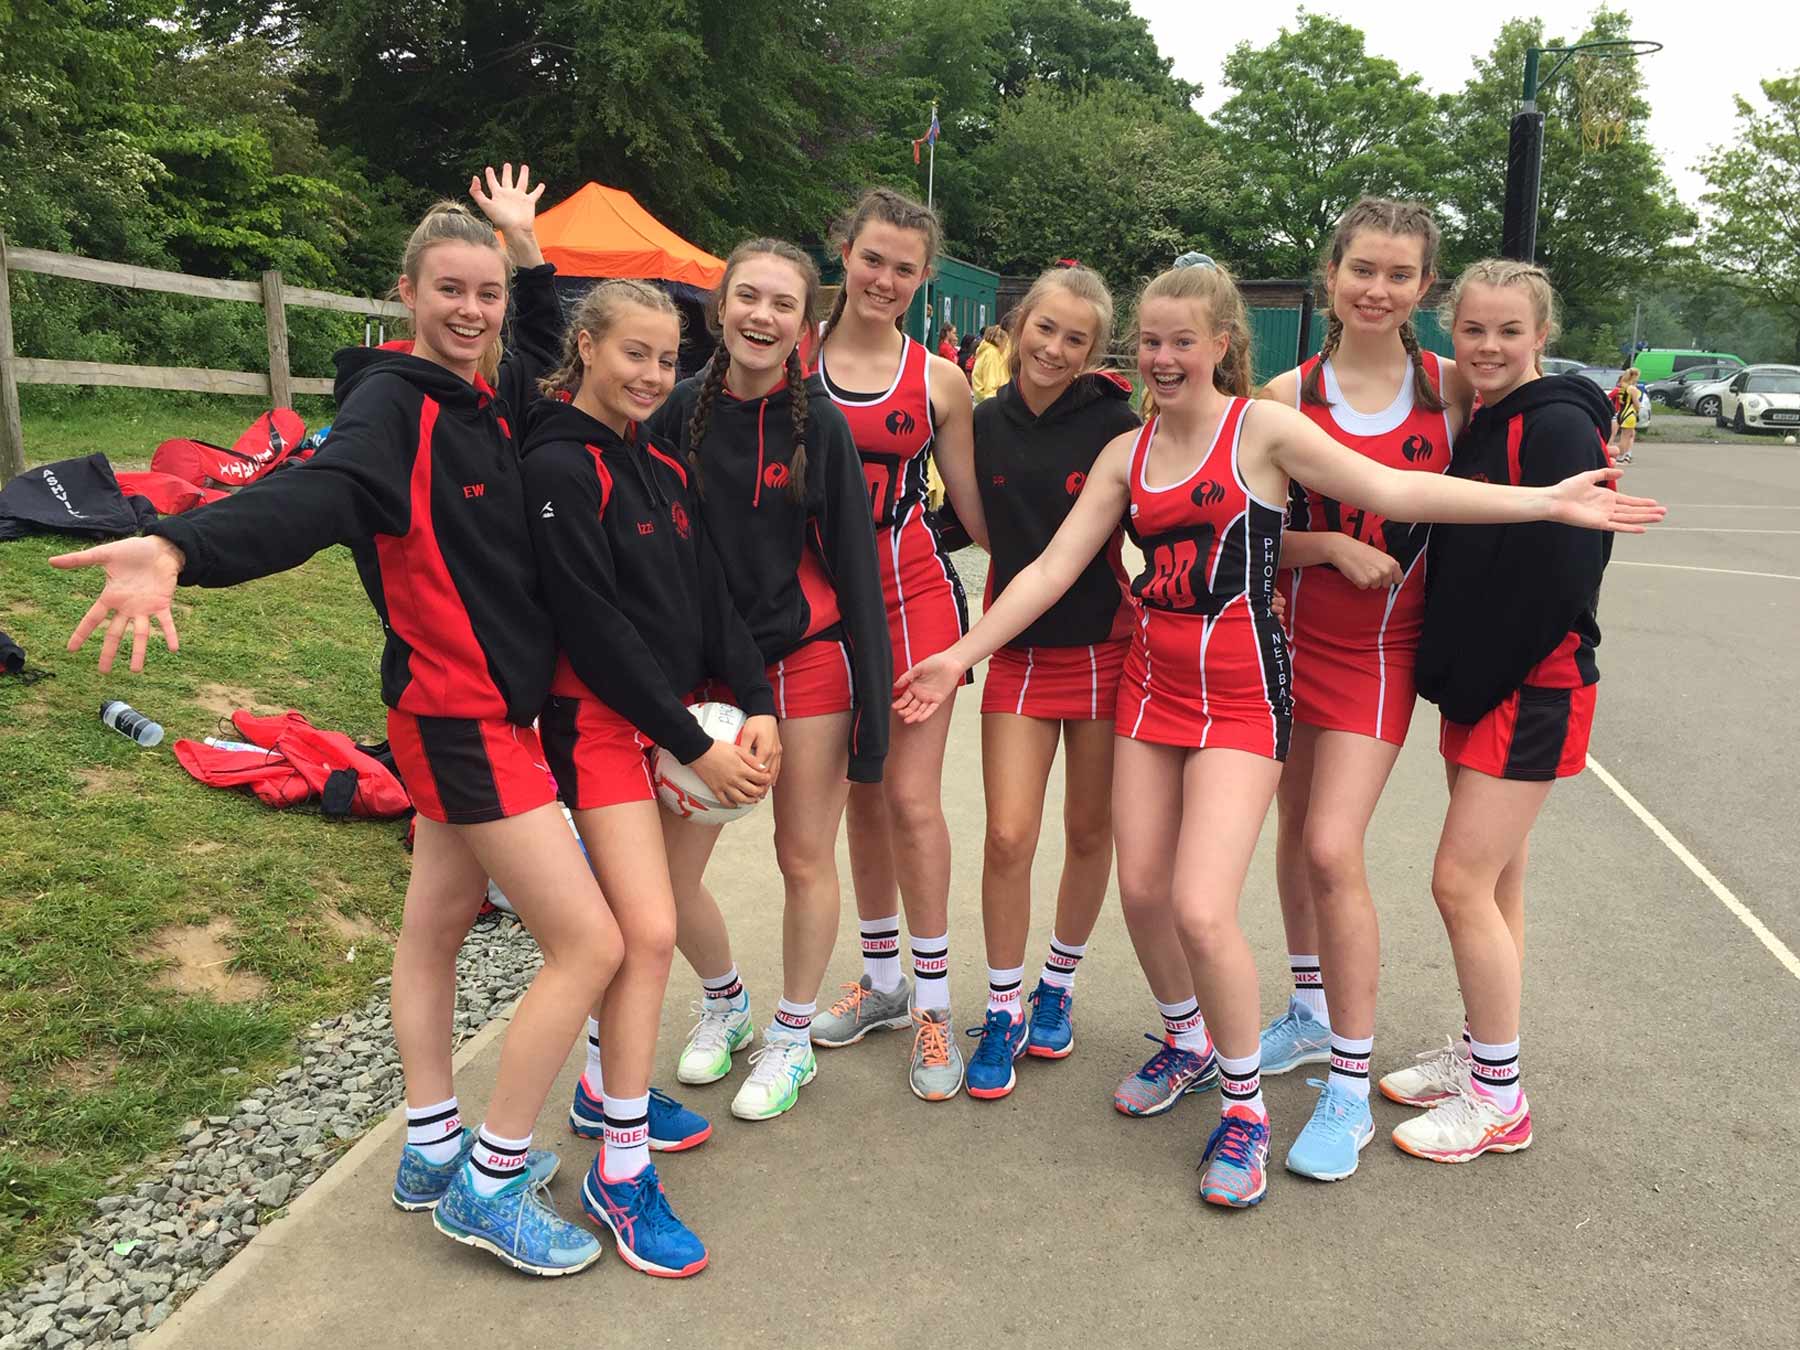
<point x="1584" y="499"/>
<point x="140" y="583"/>
<point x="508" y="200"/>
<point x="919" y="691"/>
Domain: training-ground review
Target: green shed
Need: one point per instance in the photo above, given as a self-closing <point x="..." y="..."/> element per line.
<point x="961" y="294"/>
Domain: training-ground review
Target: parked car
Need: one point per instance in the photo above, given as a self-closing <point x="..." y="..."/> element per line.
<point x="1659" y="363"/>
<point x="1608" y="376"/>
<point x="1761" y="398"/>
<point x="1561" y="365"/>
<point x="1672" y="390"/>
<point x="1704" y="398"/>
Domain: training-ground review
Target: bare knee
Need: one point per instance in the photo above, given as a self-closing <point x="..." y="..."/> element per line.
<point x="1458" y="890"/>
<point x="913" y="812"/>
<point x="1087" y="838"/>
<point x="1010" y="846"/>
<point x="806" y="862"/>
<point x="1143" y="895"/>
<point x="1204" y="933"/>
<point x="1334" y="865"/>
<point x="650" y="944"/>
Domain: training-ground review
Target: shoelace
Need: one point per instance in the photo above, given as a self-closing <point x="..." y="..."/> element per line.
<point x="1333" y="1111"/>
<point x="1235" y="1141"/>
<point x="851" y="1001"/>
<point x="662" y="1098"/>
<point x="647" y="1204"/>
<point x="1050" y="1007"/>
<point x="1166" y="1060"/>
<point x="931" y="1042"/>
<point x="774" y="1057"/>
<point x="1442" y="1066"/>
<point x="711" y="1031"/>
<point x="993" y="1051"/>
<point x="1467" y="1109"/>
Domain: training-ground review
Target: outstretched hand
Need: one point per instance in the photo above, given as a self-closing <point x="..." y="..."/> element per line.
<point x="1584" y="499"/>
<point x="140" y="583"/>
<point x="919" y="691"/>
<point x="508" y="200"/>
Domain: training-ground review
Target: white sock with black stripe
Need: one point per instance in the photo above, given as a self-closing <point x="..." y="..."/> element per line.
<point x="1059" y="968"/>
<point x="435" y="1131"/>
<point x="729" y="987"/>
<point x="1494" y="1070"/>
<point x="931" y="972"/>
<point x="1240" y="1085"/>
<point x="1185" y="1027"/>
<point x="793" y="1020"/>
<point x="592" y="1078"/>
<point x="627" y="1135"/>
<point x="881" y="952"/>
<point x="1003" y="991"/>
<point x="1350" y="1064"/>
<point x="1309" y="985"/>
<point x="496" y="1160"/>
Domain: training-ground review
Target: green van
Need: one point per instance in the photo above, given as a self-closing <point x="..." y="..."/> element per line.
<point x="1658" y="363"/>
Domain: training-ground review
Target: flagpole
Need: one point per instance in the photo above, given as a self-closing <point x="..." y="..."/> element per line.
<point x="930" y="187"/>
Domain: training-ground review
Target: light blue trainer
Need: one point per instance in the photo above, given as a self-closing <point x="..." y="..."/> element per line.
<point x="518" y="1224"/>
<point x="1293" y="1039"/>
<point x="991" y="1066"/>
<point x="1341" y="1128"/>
<point x="420" y="1185"/>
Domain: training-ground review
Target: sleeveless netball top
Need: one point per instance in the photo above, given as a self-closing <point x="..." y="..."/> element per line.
<point x="893" y="434"/>
<point x="1208" y="665"/>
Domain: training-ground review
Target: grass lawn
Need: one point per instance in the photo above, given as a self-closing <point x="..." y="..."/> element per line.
<point x="155" y="933"/>
<point x="126" y="425"/>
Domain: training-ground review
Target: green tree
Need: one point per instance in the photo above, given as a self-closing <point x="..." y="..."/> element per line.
<point x="1609" y="219"/>
<point x="1315" y="122"/>
<point x="1753" y="232"/>
<point x="1110" y="176"/>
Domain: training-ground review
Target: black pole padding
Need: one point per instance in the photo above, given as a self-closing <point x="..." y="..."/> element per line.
<point x="1306" y="317"/>
<point x="1524" y="180"/>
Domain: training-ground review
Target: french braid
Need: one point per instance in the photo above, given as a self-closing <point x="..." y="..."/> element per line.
<point x="796" y="382"/>
<point x="702" y="414"/>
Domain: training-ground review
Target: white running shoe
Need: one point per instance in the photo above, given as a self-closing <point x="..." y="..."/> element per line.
<point x="719" y="1034"/>
<point x="778" y="1070"/>
<point x="1439" y="1075"/>
<point x="1464" y="1127"/>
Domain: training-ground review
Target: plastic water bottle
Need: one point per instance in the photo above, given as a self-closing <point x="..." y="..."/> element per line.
<point x="127" y="721"/>
<point x="218" y="744"/>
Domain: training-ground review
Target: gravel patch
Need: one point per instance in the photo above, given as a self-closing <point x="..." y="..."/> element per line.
<point x="150" y="1247"/>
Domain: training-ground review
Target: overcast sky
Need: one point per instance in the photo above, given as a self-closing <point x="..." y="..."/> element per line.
<point x="1709" y="55"/>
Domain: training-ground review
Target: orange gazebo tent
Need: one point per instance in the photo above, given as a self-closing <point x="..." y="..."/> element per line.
<point x="603" y="232"/>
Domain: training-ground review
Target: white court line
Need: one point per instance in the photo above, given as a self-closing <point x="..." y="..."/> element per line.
<point x="1712" y="529"/>
<point x="1782" y="952"/>
<point x="1722" y="571"/>
<point x="1726" y="506"/>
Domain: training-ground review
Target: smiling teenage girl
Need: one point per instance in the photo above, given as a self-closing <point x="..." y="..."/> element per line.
<point x="784" y="499"/>
<point x="421" y="480"/>
<point x="904" y="406"/>
<point x="1203" y="715"/>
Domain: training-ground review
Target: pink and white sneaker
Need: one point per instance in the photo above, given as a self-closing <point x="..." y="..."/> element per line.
<point x="1462" y="1128"/>
<point x="1439" y="1075"/>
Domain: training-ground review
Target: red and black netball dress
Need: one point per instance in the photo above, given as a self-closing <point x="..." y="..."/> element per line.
<point x="1208" y="665"/>
<point x="1353" y="649"/>
<point x="1030" y="469"/>
<point x="926" y="610"/>
<point x="1507" y="650"/>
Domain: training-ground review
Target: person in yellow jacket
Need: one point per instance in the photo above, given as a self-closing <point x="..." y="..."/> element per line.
<point x="990" y="363"/>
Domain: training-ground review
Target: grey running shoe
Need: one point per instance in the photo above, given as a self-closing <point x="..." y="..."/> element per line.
<point x="937" y="1064"/>
<point x="862" y="1009"/>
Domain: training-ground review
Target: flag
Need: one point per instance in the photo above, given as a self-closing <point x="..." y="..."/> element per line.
<point x="930" y="137"/>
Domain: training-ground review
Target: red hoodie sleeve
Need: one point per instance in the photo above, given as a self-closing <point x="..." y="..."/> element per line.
<point x="357" y="486"/>
<point x="580" y="582"/>
<point x="843" y="532"/>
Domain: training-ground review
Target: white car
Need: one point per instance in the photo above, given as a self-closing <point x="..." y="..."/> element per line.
<point x="1703" y="399"/>
<point x="1761" y="398"/>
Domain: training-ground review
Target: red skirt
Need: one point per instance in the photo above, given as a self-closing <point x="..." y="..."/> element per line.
<point x="1537" y="735"/>
<point x="467" y="771"/>
<point x="1061" y="684"/>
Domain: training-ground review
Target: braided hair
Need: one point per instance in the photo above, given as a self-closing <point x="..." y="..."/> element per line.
<point x="892" y="208"/>
<point x="714" y="379"/>
<point x="1386" y="216"/>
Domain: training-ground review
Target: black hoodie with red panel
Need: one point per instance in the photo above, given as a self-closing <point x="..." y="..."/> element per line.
<point x="640" y="605"/>
<point x="799" y="571"/>
<point x="1511" y="605"/>
<point x="1029" y="469"/>
<point x="420" y="477"/>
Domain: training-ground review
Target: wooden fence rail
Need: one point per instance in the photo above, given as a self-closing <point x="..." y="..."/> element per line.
<point x="277" y="384"/>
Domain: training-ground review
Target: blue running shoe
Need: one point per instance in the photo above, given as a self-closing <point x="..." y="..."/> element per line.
<point x="672" y="1126"/>
<point x="1052" y="1034"/>
<point x="648" y="1235"/>
<point x="518" y="1224"/>
<point x="1340" y="1128"/>
<point x="420" y="1184"/>
<point x="1235" y="1159"/>
<point x="991" y="1068"/>
<point x="1164" y="1078"/>
<point x="1293" y="1039"/>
